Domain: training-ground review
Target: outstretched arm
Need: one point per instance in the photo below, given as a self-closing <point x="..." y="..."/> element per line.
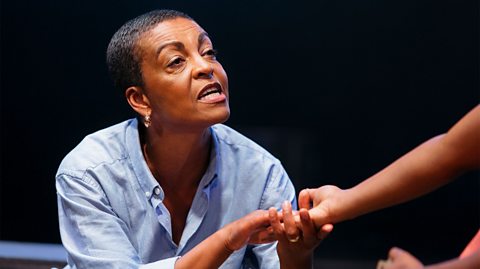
<point x="425" y="168"/>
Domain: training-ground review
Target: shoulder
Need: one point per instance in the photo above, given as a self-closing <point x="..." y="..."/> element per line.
<point x="249" y="168"/>
<point x="103" y="147"/>
<point x="229" y="137"/>
<point x="235" y="143"/>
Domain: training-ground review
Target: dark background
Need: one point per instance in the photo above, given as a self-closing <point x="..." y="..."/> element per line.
<point x="335" y="89"/>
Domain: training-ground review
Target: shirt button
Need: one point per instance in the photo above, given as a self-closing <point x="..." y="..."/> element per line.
<point x="147" y="194"/>
<point x="157" y="191"/>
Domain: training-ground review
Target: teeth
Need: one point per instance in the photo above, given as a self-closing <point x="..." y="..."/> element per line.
<point x="210" y="92"/>
<point x="210" y="96"/>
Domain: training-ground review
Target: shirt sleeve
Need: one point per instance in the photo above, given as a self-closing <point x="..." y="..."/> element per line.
<point x="279" y="188"/>
<point x="93" y="235"/>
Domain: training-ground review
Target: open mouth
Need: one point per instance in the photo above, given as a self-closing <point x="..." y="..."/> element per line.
<point x="210" y="92"/>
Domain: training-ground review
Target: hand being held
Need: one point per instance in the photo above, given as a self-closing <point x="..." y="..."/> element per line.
<point x="321" y="202"/>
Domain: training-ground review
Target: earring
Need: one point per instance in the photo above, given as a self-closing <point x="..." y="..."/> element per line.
<point x="146" y="120"/>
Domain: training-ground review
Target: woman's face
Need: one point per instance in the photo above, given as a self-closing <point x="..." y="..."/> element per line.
<point x="185" y="84"/>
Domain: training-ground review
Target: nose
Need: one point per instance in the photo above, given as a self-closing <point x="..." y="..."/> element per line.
<point x="202" y="68"/>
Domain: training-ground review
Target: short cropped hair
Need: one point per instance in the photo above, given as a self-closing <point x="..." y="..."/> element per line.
<point x="123" y="57"/>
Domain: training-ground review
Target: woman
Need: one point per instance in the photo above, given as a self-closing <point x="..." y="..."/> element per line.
<point x="144" y="192"/>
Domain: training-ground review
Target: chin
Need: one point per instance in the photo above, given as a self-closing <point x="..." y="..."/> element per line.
<point x="214" y="116"/>
<point x="221" y="118"/>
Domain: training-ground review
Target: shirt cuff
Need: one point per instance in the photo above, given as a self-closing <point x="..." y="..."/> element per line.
<point x="162" y="264"/>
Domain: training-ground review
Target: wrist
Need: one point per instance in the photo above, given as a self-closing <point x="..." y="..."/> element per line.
<point x="348" y="204"/>
<point x="223" y="235"/>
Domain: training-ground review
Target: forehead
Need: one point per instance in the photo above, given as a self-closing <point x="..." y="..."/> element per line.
<point x="179" y="29"/>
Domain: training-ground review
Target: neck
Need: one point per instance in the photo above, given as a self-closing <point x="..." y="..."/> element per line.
<point x="177" y="160"/>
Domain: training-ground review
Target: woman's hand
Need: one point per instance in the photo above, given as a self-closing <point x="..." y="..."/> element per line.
<point x="251" y="229"/>
<point x="296" y="241"/>
<point x="399" y="259"/>
<point x="215" y="249"/>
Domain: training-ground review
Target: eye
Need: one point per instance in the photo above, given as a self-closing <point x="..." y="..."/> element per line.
<point x="211" y="53"/>
<point x="175" y="62"/>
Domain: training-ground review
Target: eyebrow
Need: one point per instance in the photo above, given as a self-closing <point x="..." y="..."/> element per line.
<point x="179" y="45"/>
<point x="202" y="37"/>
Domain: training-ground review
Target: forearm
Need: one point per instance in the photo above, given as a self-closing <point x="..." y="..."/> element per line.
<point x="412" y="175"/>
<point x="425" y="168"/>
<point x="210" y="253"/>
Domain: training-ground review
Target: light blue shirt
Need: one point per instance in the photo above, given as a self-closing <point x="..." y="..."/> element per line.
<point x="110" y="206"/>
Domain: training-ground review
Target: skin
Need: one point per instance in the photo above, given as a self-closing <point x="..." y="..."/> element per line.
<point x="401" y="259"/>
<point x="178" y="62"/>
<point x="427" y="167"/>
<point x="299" y="253"/>
<point x="214" y="250"/>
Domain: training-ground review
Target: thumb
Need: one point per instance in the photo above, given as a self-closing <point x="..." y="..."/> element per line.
<point x="319" y="216"/>
<point x="304" y="199"/>
<point x="325" y="230"/>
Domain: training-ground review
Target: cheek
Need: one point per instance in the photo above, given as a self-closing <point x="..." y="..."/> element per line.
<point x="167" y="96"/>
<point x="222" y="77"/>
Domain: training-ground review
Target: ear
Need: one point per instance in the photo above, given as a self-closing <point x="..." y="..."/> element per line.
<point x="138" y="100"/>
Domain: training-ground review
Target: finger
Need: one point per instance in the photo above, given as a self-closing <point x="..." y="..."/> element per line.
<point x="280" y="216"/>
<point x="296" y="217"/>
<point x="395" y="252"/>
<point x="275" y="223"/>
<point x="261" y="217"/>
<point x="381" y="264"/>
<point x="291" y="230"/>
<point x="304" y="199"/>
<point x="264" y="236"/>
<point x="398" y="256"/>
<point x="325" y="230"/>
<point x="256" y="221"/>
<point x="308" y="228"/>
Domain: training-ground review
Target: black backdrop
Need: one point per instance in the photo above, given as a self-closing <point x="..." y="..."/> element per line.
<point x="335" y="89"/>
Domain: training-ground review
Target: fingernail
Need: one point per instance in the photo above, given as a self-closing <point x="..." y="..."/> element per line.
<point x="304" y="215"/>
<point x="272" y="213"/>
